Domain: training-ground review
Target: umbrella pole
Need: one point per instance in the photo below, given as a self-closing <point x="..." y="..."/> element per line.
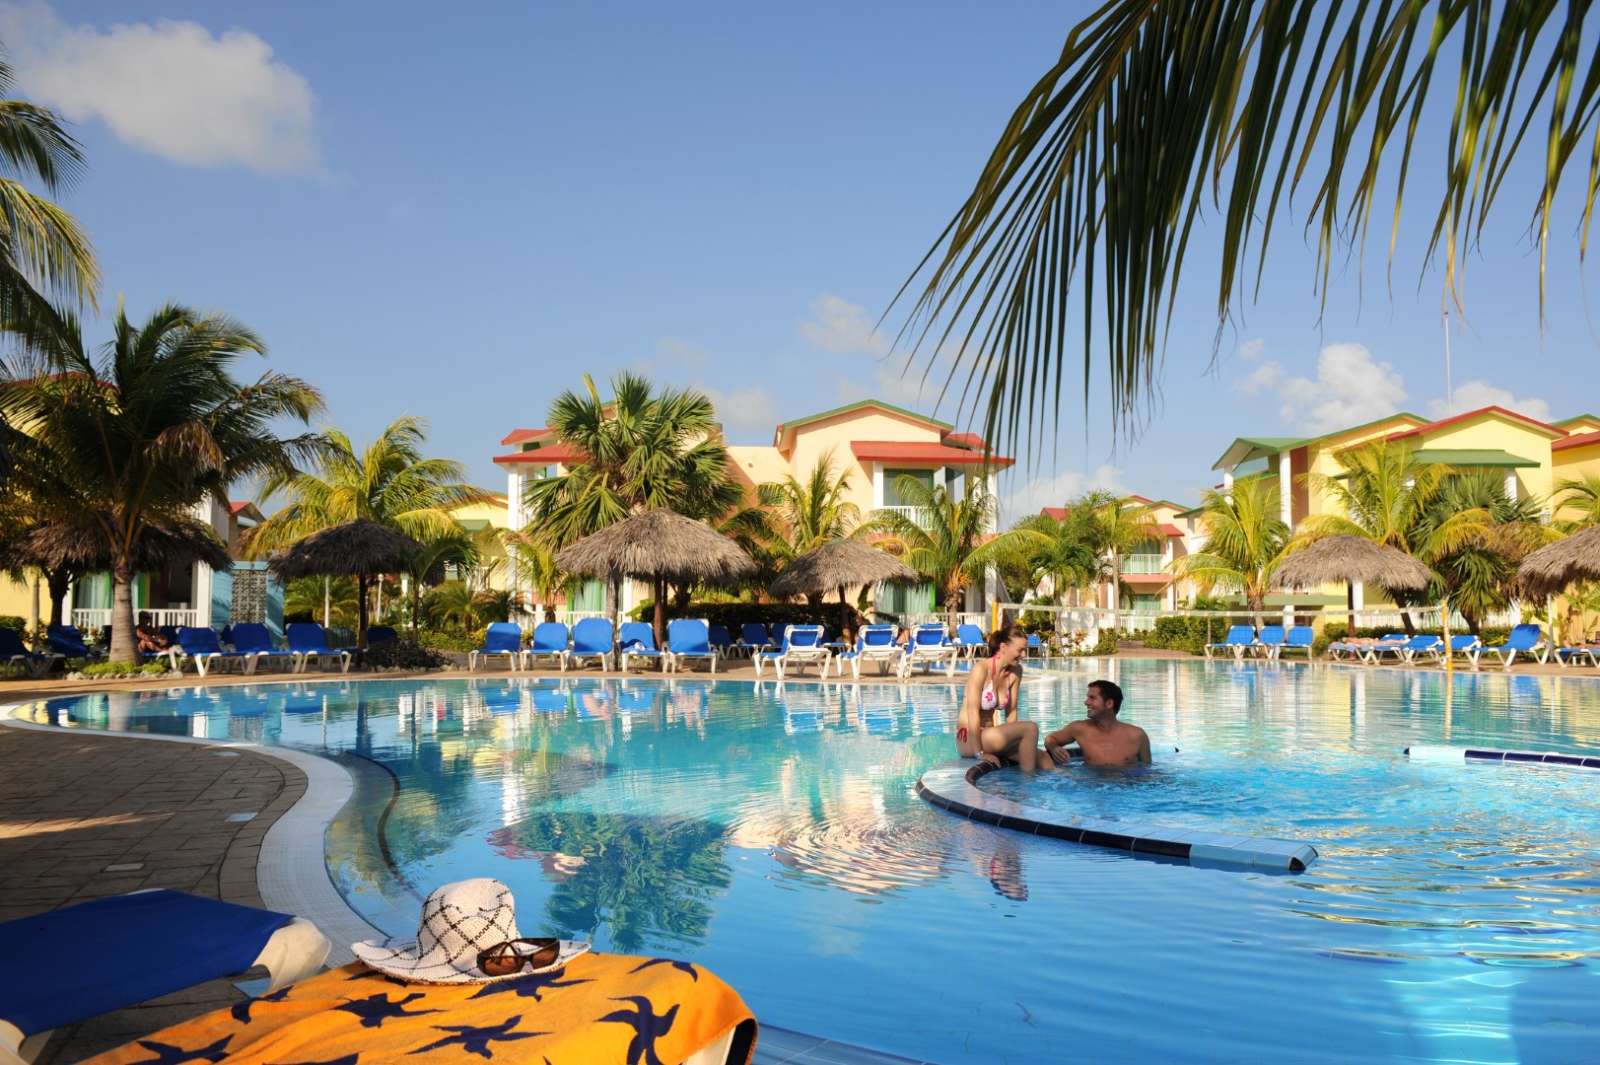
<point x="844" y="613"/>
<point x="361" y="612"/>
<point x="1444" y="627"/>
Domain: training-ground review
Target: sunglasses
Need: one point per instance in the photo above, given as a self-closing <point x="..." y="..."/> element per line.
<point x="509" y="957"/>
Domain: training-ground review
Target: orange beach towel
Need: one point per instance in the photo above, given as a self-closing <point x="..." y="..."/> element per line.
<point x="599" y="1008"/>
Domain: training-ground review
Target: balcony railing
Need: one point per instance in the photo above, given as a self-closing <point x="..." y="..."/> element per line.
<point x="1143" y="564"/>
<point x="919" y="515"/>
<point x="91" y="620"/>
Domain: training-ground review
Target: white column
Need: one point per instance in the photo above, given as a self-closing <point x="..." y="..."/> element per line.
<point x="1511" y="484"/>
<point x="1166" y="564"/>
<point x="515" y="519"/>
<point x="877" y="485"/>
<point x="1227" y="484"/>
<point x="1285" y="488"/>
<point x="200" y="589"/>
<point x="1358" y="600"/>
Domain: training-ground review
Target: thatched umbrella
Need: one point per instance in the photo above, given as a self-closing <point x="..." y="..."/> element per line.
<point x="840" y="564"/>
<point x="657" y="545"/>
<point x="1355" y="558"/>
<point x="361" y="549"/>
<point x="1552" y="568"/>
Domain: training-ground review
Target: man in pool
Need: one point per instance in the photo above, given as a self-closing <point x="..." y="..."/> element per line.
<point x="1103" y="739"/>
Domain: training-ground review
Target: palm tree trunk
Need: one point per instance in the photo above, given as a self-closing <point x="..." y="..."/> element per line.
<point x="361" y="612"/>
<point x="844" y="613"/>
<point x="1116" y="589"/>
<point x="58" y="581"/>
<point x="416" y="605"/>
<point x="33" y="614"/>
<point x="659" y="621"/>
<point x="123" y="647"/>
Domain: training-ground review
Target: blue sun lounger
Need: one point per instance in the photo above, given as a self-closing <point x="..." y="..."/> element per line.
<point x="969" y="641"/>
<point x="142" y="946"/>
<point x="1240" y="638"/>
<point x="722" y="640"/>
<point x="503" y="638"/>
<point x="13" y="650"/>
<point x="801" y="645"/>
<point x="1527" y="639"/>
<point x="1389" y="641"/>
<point x="638" y="640"/>
<point x="1298" y="638"/>
<point x="308" y="641"/>
<point x="1565" y="656"/>
<point x="753" y="637"/>
<point x="200" y="643"/>
<point x="254" y="640"/>
<point x="929" y="646"/>
<point x="689" y="638"/>
<point x="550" y="640"/>
<point x="68" y="642"/>
<point x="591" y="638"/>
<point x="874" y="643"/>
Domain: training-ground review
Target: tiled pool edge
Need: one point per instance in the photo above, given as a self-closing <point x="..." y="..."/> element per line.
<point x="1443" y="753"/>
<point x="291" y="870"/>
<point x="946" y="787"/>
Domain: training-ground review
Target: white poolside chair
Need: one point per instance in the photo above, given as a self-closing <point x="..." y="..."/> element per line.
<point x="874" y="643"/>
<point x="930" y="646"/>
<point x="801" y="646"/>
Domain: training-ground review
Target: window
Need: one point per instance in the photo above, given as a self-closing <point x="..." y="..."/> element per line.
<point x="891" y="485"/>
<point x="903" y="599"/>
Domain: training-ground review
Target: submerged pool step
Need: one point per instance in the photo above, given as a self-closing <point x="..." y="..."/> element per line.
<point x="947" y="787"/>
<point x="1440" y="753"/>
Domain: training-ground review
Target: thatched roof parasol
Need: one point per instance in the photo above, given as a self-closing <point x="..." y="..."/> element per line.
<point x="81" y="546"/>
<point x="840" y="564"/>
<point x="1554" y="567"/>
<point x="357" y="548"/>
<point x="658" y="545"/>
<point x="1351" y="558"/>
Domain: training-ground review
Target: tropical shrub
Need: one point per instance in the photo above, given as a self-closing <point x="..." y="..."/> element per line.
<point x="124" y="669"/>
<point x="14" y="623"/>
<point x="404" y="654"/>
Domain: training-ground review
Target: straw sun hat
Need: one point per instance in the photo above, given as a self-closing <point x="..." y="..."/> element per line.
<point x="459" y="921"/>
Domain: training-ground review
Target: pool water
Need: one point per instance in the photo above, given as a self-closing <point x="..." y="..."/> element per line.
<point x="774" y="835"/>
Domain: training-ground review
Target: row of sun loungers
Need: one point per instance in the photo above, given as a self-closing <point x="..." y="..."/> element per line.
<point x="1273" y="641"/>
<point x="248" y="646"/>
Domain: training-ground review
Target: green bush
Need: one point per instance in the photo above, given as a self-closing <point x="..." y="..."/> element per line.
<point x="404" y="654"/>
<point x="449" y="640"/>
<point x="14" y="623"/>
<point x="124" y="669"/>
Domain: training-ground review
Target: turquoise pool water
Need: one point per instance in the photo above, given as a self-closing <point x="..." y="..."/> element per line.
<point x="774" y="835"/>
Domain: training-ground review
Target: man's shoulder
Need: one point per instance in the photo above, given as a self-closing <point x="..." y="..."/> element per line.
<point x="1130" y="725"/>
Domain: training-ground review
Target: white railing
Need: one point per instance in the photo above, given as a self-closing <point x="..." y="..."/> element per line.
<point x="1143" y="564"/>
<point x="91" y="620"/>
<point x="1086" y="619"/>
<point x="979" y="619"/>
<point x="570" y="618"/>
<point x="918" y="515"/>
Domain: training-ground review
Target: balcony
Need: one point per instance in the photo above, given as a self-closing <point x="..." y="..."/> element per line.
<point x="919" y="515"/>
<point x="1137" y="564"/>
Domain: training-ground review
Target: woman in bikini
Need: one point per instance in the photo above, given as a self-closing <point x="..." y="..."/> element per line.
<point x="982" y="730"/>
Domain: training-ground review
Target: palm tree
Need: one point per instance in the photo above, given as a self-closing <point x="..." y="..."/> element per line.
<point x="643" y="449"/>
<point x="1155" y="112"/>
<point x="1057" y="550"/>
<point x="391" y="482"/>
<point x="1245" y="541"/>
<point x="152" y="427"/>
<point x="814" y="511"/>
<point x="1474" y="536"/>
<point x="332" y="602"/>
<point x="1580" y="505"/>
<point x="947" y="545"/>
<point x="1119" y="524"/>
<point x="428" y="566"/>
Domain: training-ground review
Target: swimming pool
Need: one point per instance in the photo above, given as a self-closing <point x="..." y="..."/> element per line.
<point x="775" y="835"/>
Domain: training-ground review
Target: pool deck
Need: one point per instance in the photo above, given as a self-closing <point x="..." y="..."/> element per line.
<point x="81" y="818"/>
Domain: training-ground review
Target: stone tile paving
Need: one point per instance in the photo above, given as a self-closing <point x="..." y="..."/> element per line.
<point x="83" y="816"/>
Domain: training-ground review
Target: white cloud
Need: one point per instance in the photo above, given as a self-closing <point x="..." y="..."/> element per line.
<point x="1054" y="491"/>
<point x="1251" y="349"/>
<point x="842" y="327"/>
<point x="884" y="380"/>
<point x="1470" y="395"/>
<point x="744" y="408"/>
<point x="169" y="88"/>
<point x="1350" y="388"/>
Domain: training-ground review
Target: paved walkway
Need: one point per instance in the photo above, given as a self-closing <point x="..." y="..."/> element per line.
<point x="82" y="817"/>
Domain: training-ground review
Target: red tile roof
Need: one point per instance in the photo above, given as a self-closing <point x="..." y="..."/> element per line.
<point x="1058" y="513"/>
<point x="933" y="454"/>
<point x="542" y="456"/>
<point x="517" y="436"/>
<point x="971" y="440"/>
<point x="1555" y="434"/>
<point x="1581" y="440"/>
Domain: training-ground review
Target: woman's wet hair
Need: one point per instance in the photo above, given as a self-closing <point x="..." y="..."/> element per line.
<point x="1005" y="633"/>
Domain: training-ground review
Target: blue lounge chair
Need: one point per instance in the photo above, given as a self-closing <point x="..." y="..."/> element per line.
<point x="1524" y="639"/>
<point x="929" y="646"/>
<point x="381" y="634"/>
<point x="1463" y="644"/>
<point x="1389" y="641"/>
<point x="1421" y="648"/>
<point x="68" y="642"/>
<point x="801" y="646"/>
<point x="254" y="641"/>
<point x="144" y="945"/>
<point x="1035" y="647"/>
<point x="1269" y="641"/>
<point x="550" y="640"/>
<point x="969" y="641"/>
<point x="591" y="638"/>
<point x="1239" y="639"/>
<point x="722" y="640"/>
<point x="503" y="638"/>
<point x="1565" y="656"/>
<point x="753" y="637"/>
<point x="1298" y="638"/>
<point x="638" y="640"/>
<point x="874" y="643"/>
<point x="13" y="650"/>
<point x="201" y="644"/>
<point x="689" y="638"/>
<point x="307" y="641"/>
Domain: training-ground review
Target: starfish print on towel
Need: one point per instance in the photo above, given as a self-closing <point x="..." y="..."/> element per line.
<point x="167" y="1054"/>
<point x="241" y="1010"/>
<point x="531" y="986"/>
<point x="647" y="1028"/>
<point x="681" y="966"/>
<point x="475" y="1039"/>
<point x="375" y="1009"/>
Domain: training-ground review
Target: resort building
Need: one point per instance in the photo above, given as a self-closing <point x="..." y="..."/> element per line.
<point x="874" y="445"/>
<point x="1148" y="583"/>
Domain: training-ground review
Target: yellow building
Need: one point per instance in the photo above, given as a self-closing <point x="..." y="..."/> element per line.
<point x="1148" y="582"/>
<point x="482" y="521"/>
<point x="872" y="444"/>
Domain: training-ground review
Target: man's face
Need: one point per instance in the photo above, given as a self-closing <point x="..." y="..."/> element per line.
<point x="1096" y="704"/>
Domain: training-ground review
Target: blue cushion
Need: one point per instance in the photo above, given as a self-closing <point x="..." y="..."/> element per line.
<point x="84" y="960"/>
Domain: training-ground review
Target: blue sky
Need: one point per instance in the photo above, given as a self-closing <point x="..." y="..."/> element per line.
<point x="456" y="216"/>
